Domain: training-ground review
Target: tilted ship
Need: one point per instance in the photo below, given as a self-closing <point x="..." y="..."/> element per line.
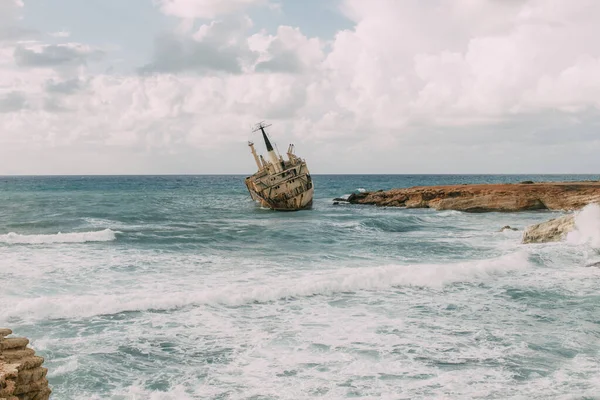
<point x="282" y="185"/>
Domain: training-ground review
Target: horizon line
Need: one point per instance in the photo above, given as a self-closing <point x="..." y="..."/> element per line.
<point x="323" y="174"/>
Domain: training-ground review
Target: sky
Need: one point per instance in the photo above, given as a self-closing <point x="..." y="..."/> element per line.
<point x="378" y="86"/>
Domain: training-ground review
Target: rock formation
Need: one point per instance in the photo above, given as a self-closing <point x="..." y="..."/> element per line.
<point x="22" y="376"/>
<point x="594" y="265"/>
<point x="554" y="230"/>
<point x="487" y="198"/>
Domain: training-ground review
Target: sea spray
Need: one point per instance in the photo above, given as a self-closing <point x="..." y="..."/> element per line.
<point x="587" y="227"/>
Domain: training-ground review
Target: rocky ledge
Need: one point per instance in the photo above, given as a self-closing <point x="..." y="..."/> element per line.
<point x="524" y="196"/>
<point x="22" y="376"/>
<point x="554" y="230"/>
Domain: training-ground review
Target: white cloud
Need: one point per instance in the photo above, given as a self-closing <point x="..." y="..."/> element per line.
<point x="287" y="51"/>
<point x="189" y="9"/>
<point x="459" y="86"/>
<point x="9" y="15"/>
<point x="218" y="46"/>
<point x="61" y="34"/>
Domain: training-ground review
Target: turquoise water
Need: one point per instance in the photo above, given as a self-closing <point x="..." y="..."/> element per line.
<point x="179" y="287"/>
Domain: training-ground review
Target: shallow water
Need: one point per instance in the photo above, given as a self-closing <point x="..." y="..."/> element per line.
<point x="179" y="287"/>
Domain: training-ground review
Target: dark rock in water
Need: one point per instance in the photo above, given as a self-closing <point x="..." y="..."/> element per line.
<point x="508" y="228"/>
<point x="335" y="203"/>
<point x="340" y="199"/>
<point x="355" y="197"/>
<point x="527" y="183"/>
<point x="596" y="264"/>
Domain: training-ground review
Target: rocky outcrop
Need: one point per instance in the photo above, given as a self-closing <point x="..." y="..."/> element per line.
<point x="554" y="230"/>
<point x="487" y="198"/>
<point x="22" y="376"/>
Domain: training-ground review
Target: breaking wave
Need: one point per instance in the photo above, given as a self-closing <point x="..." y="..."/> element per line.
<point x="434" y="276"/>
<point x="105" y="235"/>
<point x="587" y="227"/>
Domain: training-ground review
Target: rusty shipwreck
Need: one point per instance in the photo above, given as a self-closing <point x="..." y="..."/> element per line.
<point x="281" y="185"/>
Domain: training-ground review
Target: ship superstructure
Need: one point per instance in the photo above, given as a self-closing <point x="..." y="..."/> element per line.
<point x="282" y="185"/>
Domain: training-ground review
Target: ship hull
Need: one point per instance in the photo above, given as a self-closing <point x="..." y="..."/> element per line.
<point x="302" y="201"/>
<point x="281" y="185"/>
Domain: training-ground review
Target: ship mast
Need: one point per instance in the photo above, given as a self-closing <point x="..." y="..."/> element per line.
<point x="270" y="151"/>
<point x="256" y="159"/>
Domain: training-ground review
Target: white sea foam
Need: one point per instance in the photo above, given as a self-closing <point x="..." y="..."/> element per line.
<point x="587" y="227"/>
<point x="362" y="190"/>
<point x="105" y="235"/>
<point x="434" y="276"/>
<point x="139" y="393"/>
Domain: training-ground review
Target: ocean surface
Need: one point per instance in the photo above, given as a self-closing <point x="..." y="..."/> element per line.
<point x="180" y="287"/>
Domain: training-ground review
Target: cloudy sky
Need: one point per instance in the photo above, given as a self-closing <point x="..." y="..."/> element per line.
<point x="378" y="86"/>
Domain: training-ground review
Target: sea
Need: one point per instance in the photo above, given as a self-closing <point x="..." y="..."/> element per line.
<point x="180" y="287"/>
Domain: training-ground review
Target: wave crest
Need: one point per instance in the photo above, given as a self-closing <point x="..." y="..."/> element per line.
<point x="105" y="235"/>
<point x="587" y="227"/>
<point x="433" y="276"/>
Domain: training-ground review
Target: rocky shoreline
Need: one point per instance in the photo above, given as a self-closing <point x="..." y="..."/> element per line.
<point x="526" y="196"/>
<point x="22" y="376"/>
<point x="480" y="198"/>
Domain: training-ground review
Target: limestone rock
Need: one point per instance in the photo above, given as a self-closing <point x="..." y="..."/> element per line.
<point x="487" y="197"/>
<point x="554" y="230"/>
<point x="22" y="376"/>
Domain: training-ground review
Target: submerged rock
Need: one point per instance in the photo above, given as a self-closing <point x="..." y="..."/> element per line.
<point x="508" y="228"/>
<point x="22" y="376"/>
<point x="596" y="264"/>
<point x="487" y="197"/>
<point x="554" y="230"/>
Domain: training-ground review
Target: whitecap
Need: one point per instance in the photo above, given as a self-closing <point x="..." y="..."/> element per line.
<point x="105" y="235"/>
<point x="433" y="276"/>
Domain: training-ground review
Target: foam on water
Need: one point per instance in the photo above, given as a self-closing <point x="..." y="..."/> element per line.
<point x="144" y="298"/>
<point x="587" y="227"/>
<point x="206" y="296"/>
<point x="105" y="235"/>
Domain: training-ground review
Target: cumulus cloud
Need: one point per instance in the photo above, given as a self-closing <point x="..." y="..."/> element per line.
<point x="454" y="86"/>
<point x="287" y="51"/>
<point x="218" y="46"/>
<point x="456" y="72"/>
